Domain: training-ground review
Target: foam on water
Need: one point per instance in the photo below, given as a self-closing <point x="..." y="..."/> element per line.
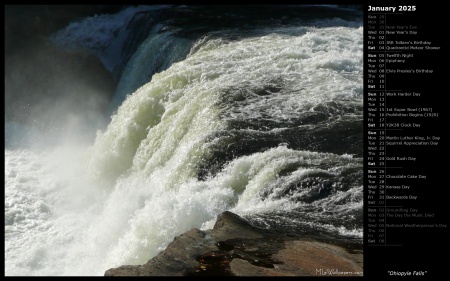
<point x="169" y="49"/>
<point x="47" y="206"/>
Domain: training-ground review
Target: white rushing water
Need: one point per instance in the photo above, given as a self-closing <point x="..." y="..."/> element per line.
<point x="74" y="210"/>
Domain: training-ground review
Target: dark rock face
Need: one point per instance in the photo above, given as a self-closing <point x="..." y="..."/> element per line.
<point x="25" y="23"/>
<point x="235" y="248"/>
<point x="47" y="87"/>
<point x="44" y="84"/>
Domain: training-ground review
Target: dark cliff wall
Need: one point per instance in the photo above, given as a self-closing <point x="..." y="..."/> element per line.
<point x="46" y="86"/>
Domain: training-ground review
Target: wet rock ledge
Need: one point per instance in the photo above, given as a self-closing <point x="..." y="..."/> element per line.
<point x="235" y="248"/>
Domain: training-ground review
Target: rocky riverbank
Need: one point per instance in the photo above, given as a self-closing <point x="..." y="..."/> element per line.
<point x="235" y="248"/>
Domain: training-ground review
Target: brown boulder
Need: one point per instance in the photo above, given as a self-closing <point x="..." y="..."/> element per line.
<point x="235" y="248"/>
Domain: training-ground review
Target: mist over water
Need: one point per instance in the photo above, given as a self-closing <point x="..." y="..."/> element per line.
<point x="264" y="121"/>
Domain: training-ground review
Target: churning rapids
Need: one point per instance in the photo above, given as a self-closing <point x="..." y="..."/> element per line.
<point x="259" y="116"/>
